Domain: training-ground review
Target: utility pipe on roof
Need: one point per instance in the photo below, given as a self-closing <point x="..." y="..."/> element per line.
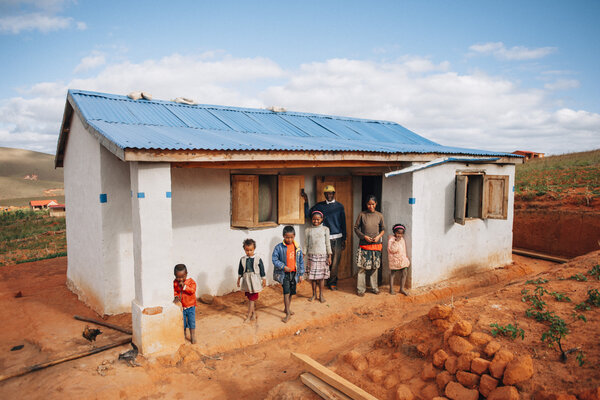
<point x="439" y="161"/>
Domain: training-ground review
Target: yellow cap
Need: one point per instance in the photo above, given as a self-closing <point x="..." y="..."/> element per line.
<point x="329" y="188"/>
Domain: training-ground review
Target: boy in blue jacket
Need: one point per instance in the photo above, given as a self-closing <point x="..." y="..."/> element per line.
<point x="289" y="267"/>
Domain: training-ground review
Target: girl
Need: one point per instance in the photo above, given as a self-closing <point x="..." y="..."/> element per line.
<point x="318" y="254"/>
<point x="369" y="227"/>
<point x="399" y="262"/>
<point x="251" y="273"/>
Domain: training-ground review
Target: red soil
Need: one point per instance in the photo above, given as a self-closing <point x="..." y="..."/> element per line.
<point x="42" y="321"/>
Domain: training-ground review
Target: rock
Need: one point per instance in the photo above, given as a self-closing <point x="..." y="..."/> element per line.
<point x="376" y="375"/>
<point x="429" y="372"/>
<point x="491" y="348"/>
<point x="456" y="391"/>
<point x="499" y="363"/>
<point x="390" y="381"/>
<point x="439" y="312"/>
<point x="459" y="345"/>
<point x="464" y="361"/>
<point x="462" y="328"/>
<point x="480" y="338"/>
<point x="504" y="393"/>
<point x="479" y="365"/>
<point x="206" y="299"/>
<point x="429" y="392"/>
<point x="442" y="379"/>
<point x="487" y="384"/>
<point x="439" y="358"/>
<point x="518" y="370"/>
<point x="451" y="364"/>
<point x="416" y="384"/>
<point x="423" y="350"/>
<point x="590" y="394"/>
<point x="404" y="393"/>
<point x="357" y="360"/>
<point x="441" y="324"/>
<point x="467" y="379"/>
<point x="405" y="373"/>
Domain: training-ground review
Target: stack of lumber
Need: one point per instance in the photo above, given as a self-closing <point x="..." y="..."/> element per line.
<point x="328" y="384"/>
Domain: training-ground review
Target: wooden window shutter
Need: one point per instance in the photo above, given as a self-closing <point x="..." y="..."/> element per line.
<point x="460" y="203"/>
<point x="495" y="195"/>
<point x="291" y="205"/>
<point x="244" y="201"/>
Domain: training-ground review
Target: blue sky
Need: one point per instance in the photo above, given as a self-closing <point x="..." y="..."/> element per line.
<point x="497" y="75"/>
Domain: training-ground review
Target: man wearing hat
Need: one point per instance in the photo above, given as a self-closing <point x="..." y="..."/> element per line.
<point x="335" y="220"/>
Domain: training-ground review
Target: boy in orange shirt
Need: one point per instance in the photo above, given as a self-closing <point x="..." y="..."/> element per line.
<point x="185" y="296"/>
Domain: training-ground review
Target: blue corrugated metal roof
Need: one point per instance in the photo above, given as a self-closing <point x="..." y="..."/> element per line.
<point x="156" y="124"/>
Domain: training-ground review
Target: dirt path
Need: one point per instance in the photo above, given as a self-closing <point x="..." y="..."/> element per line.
<point x="42" y="320"/>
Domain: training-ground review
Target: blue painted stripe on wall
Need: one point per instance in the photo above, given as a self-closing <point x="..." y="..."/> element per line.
<point x="141" y="195"/>
<point x="412" y="200"/>
<point x="168" y="195"/>
<point x="103" y="198"/>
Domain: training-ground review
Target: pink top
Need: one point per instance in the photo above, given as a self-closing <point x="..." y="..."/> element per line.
<point x="397" y="253"/>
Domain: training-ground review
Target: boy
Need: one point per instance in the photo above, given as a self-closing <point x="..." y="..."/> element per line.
<point x="289" y="267"/>
<point x="185" y="296"/>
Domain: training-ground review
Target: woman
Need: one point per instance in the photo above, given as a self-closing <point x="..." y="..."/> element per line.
<point x="369" y="227"/>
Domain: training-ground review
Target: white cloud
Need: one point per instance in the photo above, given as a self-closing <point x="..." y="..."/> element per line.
<point x="466" y="110"/>
<point x="499" y="50"/>
<point x="92" y="61"/>
<point x="82" y="26"/>
<point x="562" y="84"/>
<point x="28" y="22"/>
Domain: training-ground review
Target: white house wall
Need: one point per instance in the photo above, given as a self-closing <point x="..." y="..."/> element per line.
<point x="117" y="245"/>
<point x="84" y="216"/>
<point x="202" y="236"/>
<point x="441" y="248"/>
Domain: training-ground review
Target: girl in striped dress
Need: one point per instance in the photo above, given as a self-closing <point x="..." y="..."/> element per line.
<point x="318" y="254"/>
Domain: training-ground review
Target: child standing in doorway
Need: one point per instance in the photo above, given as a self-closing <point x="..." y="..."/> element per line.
<point x="289" y="267"/>
<point x="318" y="254"/>
<point x="399" y="262"/>
<point x="251" y="274"/>
<point x="185" y="296"/>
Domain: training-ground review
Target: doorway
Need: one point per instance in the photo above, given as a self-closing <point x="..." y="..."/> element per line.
<point x="343" y="194"/>
<point x="371" y="185"/>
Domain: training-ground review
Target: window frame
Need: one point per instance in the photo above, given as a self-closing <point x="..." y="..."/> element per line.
<point x="245" y="214"/>
<point x="489" y="196"/>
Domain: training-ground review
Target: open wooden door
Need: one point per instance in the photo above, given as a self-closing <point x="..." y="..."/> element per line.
<point x="343" y="194"/>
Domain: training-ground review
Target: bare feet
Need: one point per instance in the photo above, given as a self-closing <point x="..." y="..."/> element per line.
<point x="311" y="298"/>
<point x="247" y="319"/>
<point x="403" y="292"/>
<point x="286" y="318"/>
<point x="322" y="299"/>
<point x="291" y="312"/>
<point x="392" y="292"/>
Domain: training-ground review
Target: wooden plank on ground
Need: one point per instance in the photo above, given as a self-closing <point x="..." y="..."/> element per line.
<point x="333" y="379"/>
<point x="324" y="390"/>
<point x="528" y="253"/>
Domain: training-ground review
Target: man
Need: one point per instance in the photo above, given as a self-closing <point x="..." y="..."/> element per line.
<point x="335" y="219"/>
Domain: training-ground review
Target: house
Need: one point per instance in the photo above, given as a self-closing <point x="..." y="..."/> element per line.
<point x="57" y="210"/>
<point x="151" y="183"/>
<point x="41" y="204"/>
<point x="528" y="154"/>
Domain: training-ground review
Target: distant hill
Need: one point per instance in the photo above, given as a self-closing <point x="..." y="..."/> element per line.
<point x="44" y="181"/>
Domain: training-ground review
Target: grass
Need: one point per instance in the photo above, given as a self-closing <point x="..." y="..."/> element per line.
<point x="27" y="235"/>
<point x="573" y="174"/>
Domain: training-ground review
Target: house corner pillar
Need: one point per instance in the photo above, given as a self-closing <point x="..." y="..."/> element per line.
<point x="157" y="323"/>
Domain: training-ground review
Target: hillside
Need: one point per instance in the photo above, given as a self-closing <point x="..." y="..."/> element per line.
<point x="568" y="181"/>
<point x="16" y="164"/>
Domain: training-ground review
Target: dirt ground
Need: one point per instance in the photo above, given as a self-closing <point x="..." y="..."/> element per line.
<point x="236" y="360"/>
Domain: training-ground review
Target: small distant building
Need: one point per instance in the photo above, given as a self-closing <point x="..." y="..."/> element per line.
<point x="528" y="154"/>
<point x="42" y="204"/>
<point x="57" y="210"/>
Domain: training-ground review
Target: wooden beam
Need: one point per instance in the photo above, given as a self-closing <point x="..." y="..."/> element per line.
<point x="324" y="390"/>
<point x="540" y="256"/>
<point x="277" y="165"/>
<point x="277" y="155"/>
<point x="330" y="377"/>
